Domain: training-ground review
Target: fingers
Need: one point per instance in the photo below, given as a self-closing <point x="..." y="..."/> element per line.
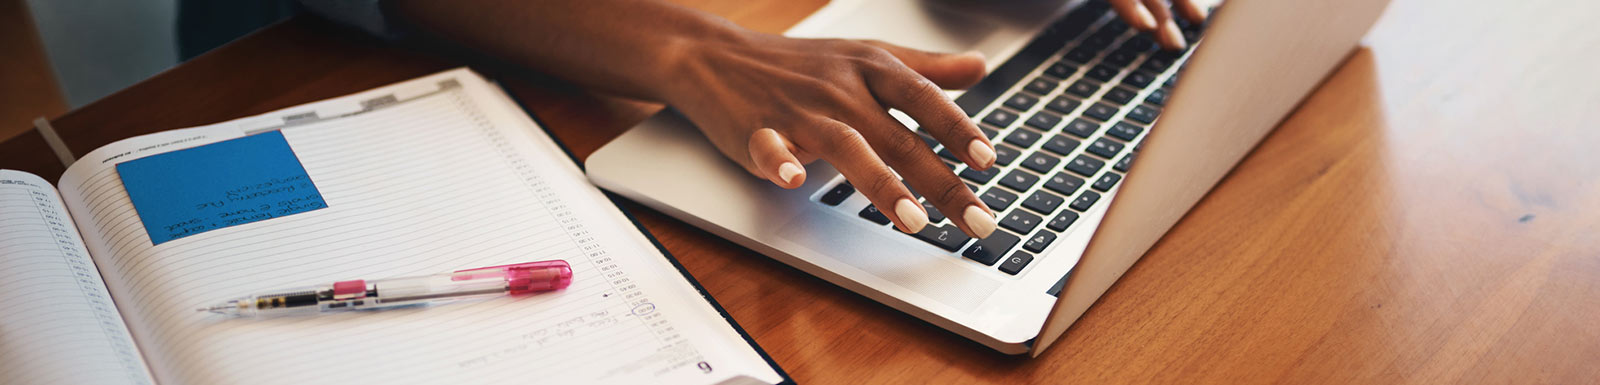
<point x="901" y="89"/>
<point x="902" y="150"/>
<point x="1135" y="14"/>
<point x="774" y="157"/>
<point x="1166" y="30"/>
<point x="949" y="71"/>
<point x="849" y="152"/>
<point x="1190" y="11"/>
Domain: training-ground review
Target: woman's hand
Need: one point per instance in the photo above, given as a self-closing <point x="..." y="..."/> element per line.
<point x="773" y="104"/>
<point x="1155" y="17"/>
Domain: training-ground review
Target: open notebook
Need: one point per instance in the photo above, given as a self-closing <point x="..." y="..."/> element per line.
<point x="426" y="176"/>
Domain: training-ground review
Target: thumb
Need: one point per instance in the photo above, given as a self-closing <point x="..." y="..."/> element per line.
<point x="949" y="71"/>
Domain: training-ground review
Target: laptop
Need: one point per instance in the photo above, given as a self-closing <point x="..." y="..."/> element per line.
<point x="1103" y="141"/>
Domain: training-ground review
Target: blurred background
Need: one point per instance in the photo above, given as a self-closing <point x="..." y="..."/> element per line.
<point x="63" y="54"/>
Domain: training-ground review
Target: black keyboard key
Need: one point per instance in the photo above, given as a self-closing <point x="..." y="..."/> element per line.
<point x="1019" y="180"/>
<point x="1040" y="162"/>
<point x="1106" y="181"/>
<point x="946" y="237"/>
<point x="929" y="140"/>
<point x="871" y="213"/>
<point x="1157" y="97"/>
<point x="1039" y="241"/>
<point x="1081" y="127"/>
<point x="988" y="132"/>
<point x="1138" y="79"/>
<point x="1020" y="221"/>
<point x="1062" y="221"/>
<point x="1120" y="95"/>
<point x="1063" y="104"/>
<point x="1121" y="58"/>
<point x="1060" y="70"/>
<point x="1125" y="131"/>
<point x="1064" y="183"/>
<point x="1084" y="88"/>
<point x="1043" y="202"/>
<point x="1085" y="200"/>
<point x="934" y="215"/>
<point x="1105" y="148"/>
<point x="980" y="176"/>
<point x="1081" y="55"/>
<point x="989" y="250"/>
<point x="1138" y="43"/>
<point x="945" y="153"/>
<point x="1004" y="155"/>
<point x="1172" y="80"/>
<point x="1159" y="62"/>
<point x="1100" y="111"/>
<point x="1000" y="118"/>
<point x="1101" y="72"/>
<point x="914" y="193"/>
<point x="1043" y="120"/>
<point x="1061" y="144"/>
<point x="837" y="195"/>
<point x="1103" y="38"/>
<point x="1084" y="165"/>
<point x="1124" y="164"/>
<point x="1016" y="262"/>
<point x="997" y="199"/>
<point x="1021" y="102"/>
<point x="1023" y="137"/>
<point x="1040" y="86"/>
<point x="1144" y="114"/>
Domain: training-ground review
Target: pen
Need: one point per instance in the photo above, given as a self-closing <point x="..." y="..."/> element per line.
<point x="520" y="278"/>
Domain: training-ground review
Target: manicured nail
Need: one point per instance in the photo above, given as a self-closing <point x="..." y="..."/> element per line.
<point x="980" y="221"/>
<point x="787" y="171"/>
<point x="982" y="153"/>
<point x="1171" y="34"/>
<point x="1144" y="18"/>
<point x="911" y="215"/>
<point x="975" y="54"/>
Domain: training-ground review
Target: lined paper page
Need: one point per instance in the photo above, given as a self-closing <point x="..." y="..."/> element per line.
<point x="431" y="175"/>
<point x="57" y="323"/>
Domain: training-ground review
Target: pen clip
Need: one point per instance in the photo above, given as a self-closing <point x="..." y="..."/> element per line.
<point x="526" y="277"/>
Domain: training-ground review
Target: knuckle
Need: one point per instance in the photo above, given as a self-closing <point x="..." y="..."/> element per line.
<point x="882" y="185"/>
<point x="951" y="192"/>
<point x="903" y="147"/>
<point x="841" y="140"/>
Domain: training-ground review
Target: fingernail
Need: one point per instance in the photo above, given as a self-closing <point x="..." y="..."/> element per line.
<point x="982" y="153"/>
<point x="975" y="54"/>
<point x="1171" y="34"/>
<point x="980" y="221"/>
<point x="787" y="171"/>
<point x="911" y="215"/>
<point x="1146" y="20"/>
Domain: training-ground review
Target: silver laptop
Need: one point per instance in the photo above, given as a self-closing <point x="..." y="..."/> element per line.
<point x="1072" y="99"/>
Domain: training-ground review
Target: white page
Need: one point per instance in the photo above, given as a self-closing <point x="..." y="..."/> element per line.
<point x="445" y="174"/>
<point x="57" y="323"/>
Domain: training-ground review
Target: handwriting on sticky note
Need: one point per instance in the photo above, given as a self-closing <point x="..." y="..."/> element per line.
<point x="219" y="185"/>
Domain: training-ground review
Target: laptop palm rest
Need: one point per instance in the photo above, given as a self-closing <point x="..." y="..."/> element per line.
<point x="907" y="263"/>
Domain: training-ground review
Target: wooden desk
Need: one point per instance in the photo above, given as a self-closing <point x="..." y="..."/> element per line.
<point x="1430" y="215"/>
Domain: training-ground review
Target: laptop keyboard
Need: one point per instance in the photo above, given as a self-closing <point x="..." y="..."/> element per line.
<point x="1066" y="114"/>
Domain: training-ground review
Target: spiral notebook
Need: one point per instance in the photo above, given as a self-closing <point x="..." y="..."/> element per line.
<point x="103" y="274"/>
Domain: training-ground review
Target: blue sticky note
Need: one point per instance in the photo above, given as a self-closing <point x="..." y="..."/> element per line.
<point x="218" y="185"/>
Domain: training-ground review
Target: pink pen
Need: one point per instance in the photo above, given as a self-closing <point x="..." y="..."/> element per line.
<point x="521" y="278"/>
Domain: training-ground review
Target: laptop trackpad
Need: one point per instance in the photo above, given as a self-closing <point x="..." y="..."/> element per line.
<point x="905" y="262"/>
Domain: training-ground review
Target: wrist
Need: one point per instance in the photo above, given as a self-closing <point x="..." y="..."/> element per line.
<point x="678" y="61"/>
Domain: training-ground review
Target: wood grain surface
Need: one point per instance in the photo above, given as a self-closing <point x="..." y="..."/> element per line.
<point x="1431" y="214"/>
